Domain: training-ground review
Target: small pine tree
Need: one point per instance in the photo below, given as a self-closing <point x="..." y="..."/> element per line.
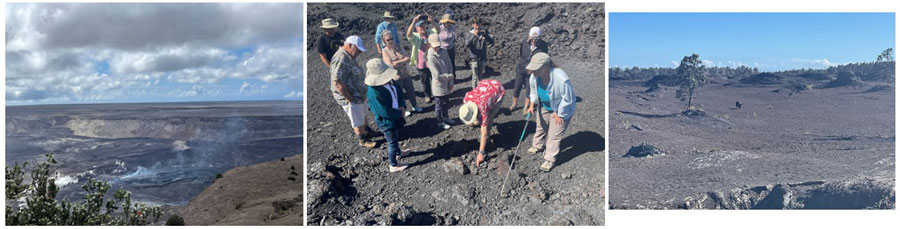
<point x="691" y="75"/>
<point x="886" y="56"/>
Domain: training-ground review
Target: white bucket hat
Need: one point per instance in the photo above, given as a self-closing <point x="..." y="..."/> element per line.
<point x="534" y="32"/>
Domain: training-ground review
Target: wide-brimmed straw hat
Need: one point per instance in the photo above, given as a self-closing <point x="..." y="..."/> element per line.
<point x="388" y="14"/>
<point x="378" y="73"/>
<point x="433" y="40"/>
<point x="538" y="61"/>
<point x="468" y="113"/>
<point x="446" y="18"/>
<point x="329" y="23"/>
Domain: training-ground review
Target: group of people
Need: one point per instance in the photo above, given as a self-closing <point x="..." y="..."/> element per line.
<point x="387" y="84"/>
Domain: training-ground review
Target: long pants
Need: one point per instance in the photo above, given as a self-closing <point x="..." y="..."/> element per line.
<point x="452" y="53"/>
<point x="548" y="133"/>
<point x="409" y="91"/>
<point x="477" y="71"/>
<point x="440" y="107"/>
<point x="521" y="83"/>
<point x="392" y="136"/>
<point x="425" y="79"/>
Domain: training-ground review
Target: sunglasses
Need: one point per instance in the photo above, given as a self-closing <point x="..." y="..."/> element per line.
<point x="389" y="39"/>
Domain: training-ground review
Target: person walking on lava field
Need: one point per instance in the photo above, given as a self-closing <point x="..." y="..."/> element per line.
<point x="480" y="106"/>
<point x="386" y="26"/>
<point x="348" y="90"/>
<point x="418" y="42"/>
<point x="438" y="62"/>
<point x="329" y="42"/>
<point x="477" y="41"/>
<point x="552" y="91"/>
<point x="527" y="49"/>
<point x="385" y="99"/>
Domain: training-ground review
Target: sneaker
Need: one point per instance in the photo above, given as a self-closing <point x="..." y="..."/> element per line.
<point x="417" y="109"/>
<point x="443" y="125"/>
<point x="398" y="168"/>
<point x="367" y="143"/>
<point x="427" y="99"/>
<point x="546" y="166"/>
<point x="533" y="150"/>
<point x="407" y="114"/>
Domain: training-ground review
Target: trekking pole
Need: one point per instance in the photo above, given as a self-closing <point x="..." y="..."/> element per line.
<point x="515" y="153"/>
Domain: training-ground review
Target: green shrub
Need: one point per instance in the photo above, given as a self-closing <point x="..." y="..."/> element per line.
<point x="218" y="175"/>
<point x="42" y="208"/>
<point x="175" y="220"/>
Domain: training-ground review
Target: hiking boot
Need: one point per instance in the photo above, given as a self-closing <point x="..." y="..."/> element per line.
<point x="546" y="166"/>
<point x="367" y="143"/>
<point x="404" y="153"/>
<point x="398" y="168"/>
<point x="533" y="150"/>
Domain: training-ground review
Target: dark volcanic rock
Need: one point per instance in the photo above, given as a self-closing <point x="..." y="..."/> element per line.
<point x="642" y="150"/>
<point x="844" y="79"/>
<point x="762" y="78"/>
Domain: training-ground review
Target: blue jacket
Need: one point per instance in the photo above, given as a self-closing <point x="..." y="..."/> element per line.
<point x="562" y="97"/>
<point x="386" y="117"/>
<point x="392" y="28"/>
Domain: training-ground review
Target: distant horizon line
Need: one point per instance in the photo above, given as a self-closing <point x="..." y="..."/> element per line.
<point x="822" y="68"/>
<point x="196" y="101"/>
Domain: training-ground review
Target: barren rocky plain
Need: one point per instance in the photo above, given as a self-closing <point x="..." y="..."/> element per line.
<point x="350" y="185"/>
<point x="823" y="147"/>
<point x="169" y="155"/>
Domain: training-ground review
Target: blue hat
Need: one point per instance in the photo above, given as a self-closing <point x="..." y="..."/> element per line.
<point x="419" y="23"/>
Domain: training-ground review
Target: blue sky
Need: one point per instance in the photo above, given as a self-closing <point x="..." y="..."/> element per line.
<point x="111" y="53"/>
<point x="768" y="41"/>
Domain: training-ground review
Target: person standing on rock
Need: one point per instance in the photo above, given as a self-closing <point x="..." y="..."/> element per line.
<point x="482" y="102"/>
<point x="477" y="41"/>
<point x="528" y="48"/>
<point x="385" y="99"/>
<point x="418" y="42"/>
<point x="441" y="80"/>
<point x="396" y="58"/>
<point x="552" y="91"/>
<point x="386" y="26"/>
<point x="329" y="42"/>
<point x="447" y="35"/>
<point x="346" y="87"/>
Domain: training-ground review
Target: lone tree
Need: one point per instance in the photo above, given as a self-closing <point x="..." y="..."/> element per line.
<point x="886" y="55"/>
<point x="691" y="75"/>
<point x="41" y="207"/>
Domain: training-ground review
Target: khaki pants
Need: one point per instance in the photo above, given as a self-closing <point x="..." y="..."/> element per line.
<point x="477" y="72"/>
<point x="548" y="132"/>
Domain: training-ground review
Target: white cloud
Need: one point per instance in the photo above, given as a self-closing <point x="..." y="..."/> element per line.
<point x="294" y="94"/>
<point x="90" y="52"/>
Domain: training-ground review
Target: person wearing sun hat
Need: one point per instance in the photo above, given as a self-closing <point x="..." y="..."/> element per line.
<point x="447" y="35"/>
<point x="418" y="42"/>
<point x="347" y="88"/>
<point x="386" y="102"/>
<point x="480" y="105"/>
<point x="438" y="62"/>
<point x="530" y="46"/>
<point x="330" y="41"/>
<point x="389" y="26"/>
<point x="552" y="92"/>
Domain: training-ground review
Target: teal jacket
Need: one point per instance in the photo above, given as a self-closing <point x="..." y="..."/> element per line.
<point x="386" y="117"/>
